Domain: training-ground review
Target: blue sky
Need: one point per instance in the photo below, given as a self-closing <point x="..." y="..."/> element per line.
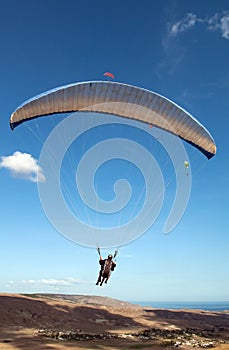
<point x="178" y="49"/>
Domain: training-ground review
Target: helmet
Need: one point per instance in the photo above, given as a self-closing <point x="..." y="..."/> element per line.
<point x="110" y="256"/>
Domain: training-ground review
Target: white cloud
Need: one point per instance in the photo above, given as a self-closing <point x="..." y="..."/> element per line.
<point x="69" y="281"/>
<point x="188" y="22"/>
<point x="69" y="285"/>
<point x="213" y="22"/>
<point x="225" y="26"/>
<point x="46" y="282"/>
<point x="24" y="166"/>
<point x="218" y="22"/>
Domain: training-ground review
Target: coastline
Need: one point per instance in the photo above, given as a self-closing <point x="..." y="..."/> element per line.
<point x="190" y="305"/>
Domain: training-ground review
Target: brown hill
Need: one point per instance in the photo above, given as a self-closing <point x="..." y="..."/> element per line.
<point x="49" y="321"/>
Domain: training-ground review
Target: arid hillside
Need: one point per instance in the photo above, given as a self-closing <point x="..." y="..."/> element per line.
<point x="52" y="321"/>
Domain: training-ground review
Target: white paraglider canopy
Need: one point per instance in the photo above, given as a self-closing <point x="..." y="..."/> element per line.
<point x="122" y="100"/>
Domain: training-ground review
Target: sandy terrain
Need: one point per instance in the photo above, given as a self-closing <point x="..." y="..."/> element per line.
<point x="88" y="322"/>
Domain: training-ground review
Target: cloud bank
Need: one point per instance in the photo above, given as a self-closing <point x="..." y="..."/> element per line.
<point x="50" y="285"/>
<point x="69" y="281"/>
<point x="23" y="166"/>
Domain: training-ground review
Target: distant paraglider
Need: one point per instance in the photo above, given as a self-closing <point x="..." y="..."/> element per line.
<point x="186" y="164"/>
<point x="109" y="74"/>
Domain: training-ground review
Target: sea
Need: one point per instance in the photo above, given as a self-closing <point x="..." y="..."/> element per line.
<point x="178" y="305"/>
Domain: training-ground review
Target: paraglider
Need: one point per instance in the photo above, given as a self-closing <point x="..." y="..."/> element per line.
<point x="122" y="100"/>
<point x="186" y="164"/>
<point x="107" y="266"/>
<point x="109" y="74"/>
